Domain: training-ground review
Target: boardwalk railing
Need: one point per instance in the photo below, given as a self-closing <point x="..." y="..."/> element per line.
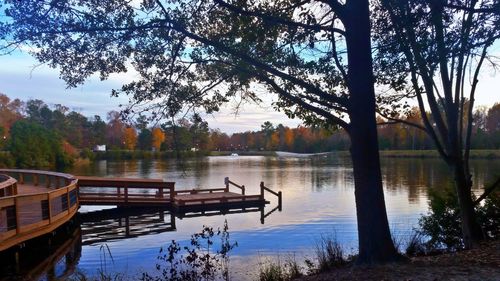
<point x="40" y="202"/>
<point x="228" y="183"/>
<point x="125" y="191"/>
<point x="8" y="186"/>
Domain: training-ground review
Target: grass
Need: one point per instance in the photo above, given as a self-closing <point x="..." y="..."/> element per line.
<point x="329" y="253"/>
<point x="271" y="270"/>
<point x="476" y="153"/>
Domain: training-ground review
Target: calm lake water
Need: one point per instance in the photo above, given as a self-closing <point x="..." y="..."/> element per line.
<point x="318" y="199"/>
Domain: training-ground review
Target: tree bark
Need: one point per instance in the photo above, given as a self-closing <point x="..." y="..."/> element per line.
<point x="471" y="230"/>
<point x="375" y="243"/>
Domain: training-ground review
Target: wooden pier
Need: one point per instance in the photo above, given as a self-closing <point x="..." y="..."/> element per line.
<point x="127" y="192"/>
<point x="34" y="203"/>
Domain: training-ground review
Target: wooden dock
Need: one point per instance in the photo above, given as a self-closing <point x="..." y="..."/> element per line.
<point x="127" y="192"/>
<point x="35" y="203"/>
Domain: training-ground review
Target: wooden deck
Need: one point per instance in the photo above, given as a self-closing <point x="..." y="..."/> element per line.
<point x="206" y="200"/>
<point x="34" y="203"/>
<point x="128" y="192"/>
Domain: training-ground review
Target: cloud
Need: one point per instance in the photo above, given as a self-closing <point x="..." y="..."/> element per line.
<point x="19" y="78"/>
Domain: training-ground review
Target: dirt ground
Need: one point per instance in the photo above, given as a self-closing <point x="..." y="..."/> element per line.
<point x="482" y="263"/>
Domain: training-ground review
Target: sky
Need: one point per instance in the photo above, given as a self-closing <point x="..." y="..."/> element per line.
<point x="22" y="77"/>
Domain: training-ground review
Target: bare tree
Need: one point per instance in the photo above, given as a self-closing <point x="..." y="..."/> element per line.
<point x="437" y="48"/>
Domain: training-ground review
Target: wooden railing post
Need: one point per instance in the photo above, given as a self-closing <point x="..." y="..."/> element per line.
<point x="35" y="179"/>
<point x="242" y="190"/>
<point x="50" y="207"/>
<point x="21" y="178"/>
<point x="172" y="220"/>
<point x="18" y="225"/>
<point x="226" y="182"/>
<point x="262" y="190"/>
<point x="68" y="202"/>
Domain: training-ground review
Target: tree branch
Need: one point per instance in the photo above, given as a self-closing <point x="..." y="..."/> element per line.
<point x="278" y="20"/>
<point x="487" y="191"/>
<point x="301" y="103"/>
<point x="396" y="120"/>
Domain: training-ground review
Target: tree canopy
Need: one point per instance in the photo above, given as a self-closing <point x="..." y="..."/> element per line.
<point x="315" y="56"/>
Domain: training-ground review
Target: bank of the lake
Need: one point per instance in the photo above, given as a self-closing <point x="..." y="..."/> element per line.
<point x="482" y="263"/>
<point x="142" y="154"/>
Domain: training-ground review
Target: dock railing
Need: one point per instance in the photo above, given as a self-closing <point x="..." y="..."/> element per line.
<point x="24" y="216"/>
<point x="229" y="183"/>
<point x="263" y="188"/>
<point x="116" y="191"/>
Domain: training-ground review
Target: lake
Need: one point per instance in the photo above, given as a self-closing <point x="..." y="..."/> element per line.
<point x="318" y="200"/>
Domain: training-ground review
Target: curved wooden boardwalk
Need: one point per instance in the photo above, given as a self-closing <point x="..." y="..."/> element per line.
<point x="34" y="203"/>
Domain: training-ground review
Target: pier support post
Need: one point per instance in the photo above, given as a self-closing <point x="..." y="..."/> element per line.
<point x="262" y="190"/>
<point x="280" y="200"/>
<point x="17" y="261"/>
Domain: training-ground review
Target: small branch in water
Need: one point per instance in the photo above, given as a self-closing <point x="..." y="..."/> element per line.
<point x="488" y="191"/>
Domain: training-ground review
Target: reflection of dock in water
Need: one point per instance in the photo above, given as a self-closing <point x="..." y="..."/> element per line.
<point x="56" y="262"/>
<point x="123" y="223"/>
<point x="59" y="260"/>
<point x="69" y="252"/>
<point x="228" y="211"/>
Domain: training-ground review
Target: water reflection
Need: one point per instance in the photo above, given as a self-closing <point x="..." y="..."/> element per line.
<point x="123" y="223"/>
<point x="54" y="259"/>
<point x="318" y="198"/>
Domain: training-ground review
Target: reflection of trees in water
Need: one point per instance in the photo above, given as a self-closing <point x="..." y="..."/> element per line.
<point x="146" y="166"/>
<point x="414" y="176"/>
<point x="484" y="172"/>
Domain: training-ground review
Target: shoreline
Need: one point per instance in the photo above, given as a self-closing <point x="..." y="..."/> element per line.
<point x="409" y="154"/>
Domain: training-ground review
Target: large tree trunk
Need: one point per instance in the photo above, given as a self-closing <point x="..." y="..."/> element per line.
<point x="375" y="243"/>
<point x="471" y="230"/>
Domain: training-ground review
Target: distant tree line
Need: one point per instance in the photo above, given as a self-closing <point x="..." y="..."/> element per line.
<point x="39" y="135"/>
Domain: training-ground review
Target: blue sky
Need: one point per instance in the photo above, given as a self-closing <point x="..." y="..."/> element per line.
<point x="20" y="79"/>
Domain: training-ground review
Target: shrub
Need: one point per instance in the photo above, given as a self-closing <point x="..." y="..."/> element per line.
<point x="442" y="225"/>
